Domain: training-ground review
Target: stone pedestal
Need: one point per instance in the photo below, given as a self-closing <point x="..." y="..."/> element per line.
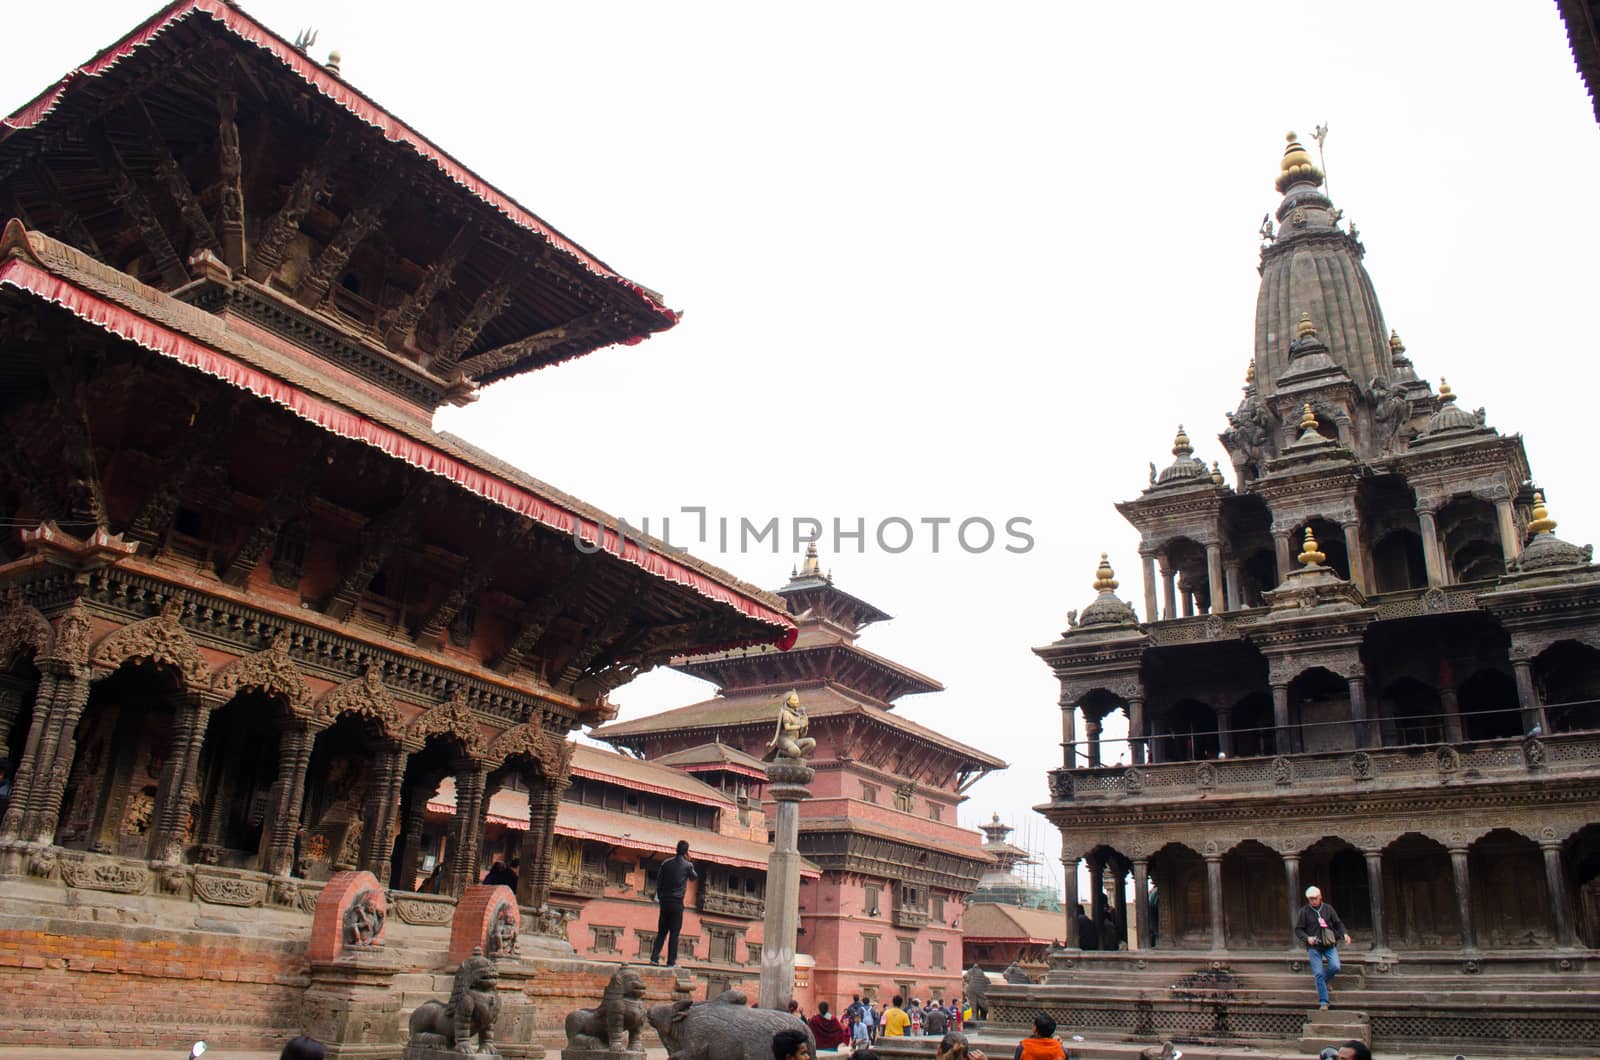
<point x="515" y="1030"/>
<point x="788" y="778"/>
<point x="352" y="1006"/>
<point x="602" y="1054"/>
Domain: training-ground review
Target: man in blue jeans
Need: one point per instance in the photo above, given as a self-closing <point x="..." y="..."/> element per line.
<point x="1318" y="928"/>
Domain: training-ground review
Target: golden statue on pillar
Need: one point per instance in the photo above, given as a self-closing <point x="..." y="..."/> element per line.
<point x="790" y="739"/>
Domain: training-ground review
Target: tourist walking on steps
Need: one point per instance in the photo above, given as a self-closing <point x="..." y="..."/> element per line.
<point x="1318" y="928"/>
<point x="672" y="882"/>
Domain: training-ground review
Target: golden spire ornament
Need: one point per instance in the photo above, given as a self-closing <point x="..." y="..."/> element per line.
<point x="1216" y="474"/>
<point x="1541" y="523"/>
<point x="1180" y="444"/>
<point x="1105" y="579"/>
<point x="1308" y="419"/>
<point x="1305" y="329"/>
<point x="1446" y="395"/>
<point x="1310" y="555"/>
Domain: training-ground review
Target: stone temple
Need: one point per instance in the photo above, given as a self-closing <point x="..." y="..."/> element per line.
<point x="1367" y="663"/>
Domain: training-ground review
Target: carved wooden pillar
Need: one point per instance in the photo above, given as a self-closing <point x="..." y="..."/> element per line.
<point x="1217" y="590"/>
<point x="1169" y="593"/>
<point x="383" y="806"/>
<point x="465" y="829"/>
<point x="1357" y="685"/>
<point x="56" y="750"/>
<point x="1091" y="733"/>
<point x="544" y="801"/>
<point x="1355" y="551"/>
<point x="179" y="787"/>
<point x="1150" y="612"/>
<point x="13" y="693"/>
<point x="1139" y="927"/>
<point x="411" y="839"/>
<point x="1380" y="934"/>
<point x="1463" y="882"/>
<point x="1280" y="718"/>
<point x="288" y="792"/>
<point x="1510" y="540"/>
<point x="1533" y="713"/>
<point x="1452" y="714"/>
<point x="25" y="770"/>
<point x="1432" y="554"/>
<point x="1214" y="899"/>
<point x="1283" y="548"/>
<point x="1069" y="732"/>
<point x="1069" y="874"/>
<point x="1137" y="739"/>
<point x="1291" y="877"/>
<point x="1555" y="879"/>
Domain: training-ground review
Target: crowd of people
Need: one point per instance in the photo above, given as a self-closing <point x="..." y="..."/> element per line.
<point x="863" y="1022"/>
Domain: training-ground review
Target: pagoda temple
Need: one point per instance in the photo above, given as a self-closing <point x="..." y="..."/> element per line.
<point x="256" y="609"/>
<point x="885" y="916"/>
<point x="1365" y="662"/>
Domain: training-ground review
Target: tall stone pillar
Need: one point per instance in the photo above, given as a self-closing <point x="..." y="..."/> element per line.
<point x="1510" y="540"/>
<point x="1283" y="548"/>
<point x="27" y="768"/>
<point x="1169" y="593"/>
<point x="1432" y="554"/>
<point x="1233" y="575"/>
<point x="1225" y="731"/>
<point x="1463" y="883"/>
<point x="1150" y="611"/>
<point x="1069" y="874"/>
<point x="465" y="829"/>
<point x="1453" y="732"/>
<point x="1188" y="602"/>
<point x="1137" y="739"/>
<point x="57" y="748"/>
<point x="1280" y="718"/>
<point x="13" y="694"/>
<point x="1560" y="894"/>
<point x="1380" y="934"/>
<point x="288" y="793"/>
<point x="1139" y="929"/>
<point x="1291" y="879"/>
<point x="383" y="807"/>
<point x="411" y="840"/>
<point x="1119" y="896"/>
<point x="1069" y="732"/>
<point x="1527" y="695"/>
<point x="1355" y="551"/>
<point x="1097" y="891"/>
<point x="1214" y="900"/>
<point x="1091" y="733"/>
<point x="787" y="779"/>
<point x="1218" y="591"/>
<point x="1357" y="685"/>
<point x="180" y="778"/>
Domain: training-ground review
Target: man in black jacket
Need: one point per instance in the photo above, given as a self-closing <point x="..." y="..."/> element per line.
<point x="672" y="881"/>
<point x="1318" y="928"/>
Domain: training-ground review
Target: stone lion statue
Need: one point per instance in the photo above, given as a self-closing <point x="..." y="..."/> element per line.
<point x="618" y="1021"/>
<point x="474" y="1006"/>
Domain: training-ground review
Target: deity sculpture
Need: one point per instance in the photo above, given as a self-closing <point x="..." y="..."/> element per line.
<point x="790" y="739"/>
<point x="363" y="922"/>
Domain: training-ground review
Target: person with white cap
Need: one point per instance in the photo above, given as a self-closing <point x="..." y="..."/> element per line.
<point x="1318" y="928"/>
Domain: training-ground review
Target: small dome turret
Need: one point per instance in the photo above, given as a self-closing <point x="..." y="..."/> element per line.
<point x="1106" y="609"/>
<point x="1450" y="416"/>
<point x="1297" y="167"/>
<point x="1184" y="466"/>
<point x="1545" y="550"/>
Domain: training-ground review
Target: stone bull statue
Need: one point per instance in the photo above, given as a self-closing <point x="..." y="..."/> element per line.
<point x="725" y="1028"/>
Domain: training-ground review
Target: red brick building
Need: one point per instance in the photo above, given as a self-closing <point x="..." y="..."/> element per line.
<point x="884" y="917"/>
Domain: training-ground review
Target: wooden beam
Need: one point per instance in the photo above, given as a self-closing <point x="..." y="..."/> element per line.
<point x="150" y="525"/>
<point x="398" y="322"/>
<point x="610" y="626"/>
<point x="380" y="538"/>
<point x="536" y="617"/>
<point x="287" y="501"/>
<point x="357" y="226"/>
<point x="172" y="176"/>
<point x="314" y="184"/>
<point x="587" y="328"/>
<point x="230" y="162"/>
<point x="126" y="193"/>
<point x="480" y="568"/>
<point x="491" y="303"/>
<point x="69" y="380"/>
<point x="71" y="227"/>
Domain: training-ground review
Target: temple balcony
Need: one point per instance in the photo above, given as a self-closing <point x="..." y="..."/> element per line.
<point x="739" y="905"/>
<point x="905" y="917"/>
<point x="590" y="885"/>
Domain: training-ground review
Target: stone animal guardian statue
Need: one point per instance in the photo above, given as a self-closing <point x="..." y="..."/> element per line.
<point x="723" y="1029"/>
<point x="473" y="1007"/>
<point x="617" y="1022"/>
<point x="790" y="739"/>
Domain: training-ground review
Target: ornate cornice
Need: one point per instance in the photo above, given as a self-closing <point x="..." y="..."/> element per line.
<point x="160" y="640"/>
<point x="271" y="672"/>
<point x="451" y="718"/>
<point x="364" y="697"/>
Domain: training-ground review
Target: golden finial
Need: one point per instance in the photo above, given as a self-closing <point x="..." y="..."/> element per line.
<point x="1308" y="419"/>
<point x="334" y="59"/>
<point x="1310" y="555"/>
<point x="1297" y="165"/>
<point x="1305" y="329"/>
<point x="1105" y="580"/>
<point x="1216" y="474"/>
<point x="1396" y="347"/>
<point x="1446" y="395"/>
<point x="811" y="568"/>
<point x="1250" y="373"/>
<point x="1541" y="523"/>
<point x="1180" y="444"/>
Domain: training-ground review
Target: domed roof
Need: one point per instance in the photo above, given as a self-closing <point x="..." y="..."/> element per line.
<point x="1547" y="551"/>
<point x="1184" y="466"/>
<point x="1106" y="609"/>
<point x="1297" y="166"/>
<point x="1450" y="416"/>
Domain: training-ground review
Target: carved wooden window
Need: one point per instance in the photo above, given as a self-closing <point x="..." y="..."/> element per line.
<point x="605" y="939"/>
<point x="935" y="812"/>
<point x="289" y="556"/>
<point x="936" y="909"/>
<point x="869" y="900"/>
<point x="619" y="875"/>
<point x="687" y="944"/>
<point x="869" y="949"/>
<point x="937" y="957"/>
<point x="723" y="942"/>
<point x="903" y="801"/>
<point x="647" y="940"/>
<point x="752" y="952"/>
<point x="869" y="792"/>
<point x="905" y="951"/>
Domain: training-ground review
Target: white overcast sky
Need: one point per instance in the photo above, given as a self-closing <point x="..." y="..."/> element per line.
<point x="946" y="260"/>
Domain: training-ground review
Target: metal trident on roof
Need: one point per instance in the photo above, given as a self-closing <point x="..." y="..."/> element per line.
<point x="305" y="39"/>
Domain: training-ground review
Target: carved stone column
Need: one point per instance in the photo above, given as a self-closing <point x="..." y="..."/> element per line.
<point x="787" y="779"/>
<point x="1510" y="540"/>
<point x="1169" y="593"/>
<point x="1533" y="712"/>
<point x="465" y="829"/>
<point x="1355" y="551"/>
<point x="383" y="806"/>
<point x="23" y="786"/>
<point x="1218" y="591"/>
<point x="1225" y="731"/>
<point x="411" y="841"/>
<point x="179" y="787"/>
<point x="57" y="749"/>
<point x="1452" y="714"/>
<point x="1357" y="685"/>
<point x="1091" y="732"/>
<point x="1283" y="548"/>
<point x="1188" y="602"/>
<point x="1560" y="894"/>
<point x="1432" y="554"/>
<point x="1214" y="899"/>
<point x="1119" y="896"/>
<point x="1280" y="718"/>
<point x="1291" y="878"/>
<point x="1069" y="732"/>
<point x="1139" y="930"/>
<point x="1097" y="891"/>
<point x="1234" y="576"/>
<point x="1137" y="738"/>
<point x="288" y="791"/>
<point x="1069" y="874"/>
<point x="1150" y="612"/>
<point x="1380" y="934"/>
<point x="13" y="693"/>
<point x="1463" y="883"/>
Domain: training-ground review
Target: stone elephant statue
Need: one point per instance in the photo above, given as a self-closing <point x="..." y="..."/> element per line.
<point x="725" y="1028"/>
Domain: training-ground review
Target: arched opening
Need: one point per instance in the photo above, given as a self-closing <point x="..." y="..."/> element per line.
<point x="123" y="739"/>
<point x="1260" y="576"/>
<point x="1187" y="558"/>
<point x="1189" y="732"/>
<point x="1489" y="709"/>
<point x="1105" y="905"/>
<point x="1398" y="563"/>
<point x="1253" y="726"/>
<point x="1181" y="904"/>
<point x="1330" y="542"/>
<point x="1340" y="871"/>
<point x="339" y="784"/>
<point x="1510" y="900"/>
<point x="22" y="682"/>
<point x="1255" y="897"/>
<point x="1568" y="677"/>
<point x="1582" y="864"/>
<point x="1469" y="536"/>
<point x="1420" y="905"/>
<point x="1319" y="705"/>
<point x="238" y="766"/>
<point x="1099" y="746"/>
<point x="1415" y="710"/>
<point x="434" y="836"/>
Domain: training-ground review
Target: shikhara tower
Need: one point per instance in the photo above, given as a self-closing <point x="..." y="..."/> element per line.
<point x="1365" y="662"/>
